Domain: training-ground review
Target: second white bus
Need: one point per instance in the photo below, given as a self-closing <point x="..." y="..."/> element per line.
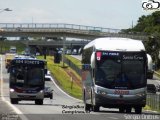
<point x="114" y="74"/>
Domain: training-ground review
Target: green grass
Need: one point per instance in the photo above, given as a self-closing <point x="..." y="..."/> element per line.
<point x="158" y="71"/>
<point x="147" y="107"/>
<point x="62" y="78"/>
<point x="75" y="61"/>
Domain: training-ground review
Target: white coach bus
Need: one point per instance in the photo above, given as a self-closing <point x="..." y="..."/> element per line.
<point x="114" y="74"/>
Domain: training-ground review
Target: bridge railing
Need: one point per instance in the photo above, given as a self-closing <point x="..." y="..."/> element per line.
<point x="69" y="29"/>
<point x="56" y="26"/>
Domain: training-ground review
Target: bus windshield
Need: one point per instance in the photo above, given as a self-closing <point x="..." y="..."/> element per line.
<point x="35" y="76"/>
<point x="26" y="76"/>
<point x="120" y="70"/>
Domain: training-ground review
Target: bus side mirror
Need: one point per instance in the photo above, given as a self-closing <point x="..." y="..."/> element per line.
<point x="93" y="60"/>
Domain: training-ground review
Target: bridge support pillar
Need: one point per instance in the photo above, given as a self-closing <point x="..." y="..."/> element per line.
<point x="64" y="46"/>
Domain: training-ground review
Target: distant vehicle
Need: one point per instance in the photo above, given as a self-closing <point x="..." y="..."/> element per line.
<point x="48" y="76"/>
<point x="151" y="88"/>
<point x="150" y="70"/>
<point x="68" y="52"/>
<point x="114" y="74"/>
<point x="48" y="93"/>
<point x="158" y="88"/>
<point x="74" y="52"/>
<point x="26" y="81"/>
<point x="37" y="53"/>
<point x="13" y="49"/>
<point x="8" y="58"/>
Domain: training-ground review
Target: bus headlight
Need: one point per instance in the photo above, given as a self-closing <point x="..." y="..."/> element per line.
<point x="100" y="91"/>
<point x="141" y="94"/>
<point x="11" y="90"/>
<point x="41" y="91"/>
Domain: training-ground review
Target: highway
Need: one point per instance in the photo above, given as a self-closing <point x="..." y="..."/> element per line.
<point x="62" y="107"/>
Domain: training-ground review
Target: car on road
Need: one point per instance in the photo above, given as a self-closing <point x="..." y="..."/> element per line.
<point x="48" y="76"/>
<point x="158" y="88"/>
<point x="48" y="92"/>
<point x="68" y="52"/>
<point x="151" y="88"/>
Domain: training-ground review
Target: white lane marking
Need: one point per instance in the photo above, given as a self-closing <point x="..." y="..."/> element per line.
<point x="65" y="92"/>
<point x="112" y="118"/>
<point x="23" y="117"/>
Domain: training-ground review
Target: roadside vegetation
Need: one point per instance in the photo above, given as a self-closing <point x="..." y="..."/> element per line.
<point x="149" y="25"/>
<point x="63" y="79"/>
<point x="75" y="61"/>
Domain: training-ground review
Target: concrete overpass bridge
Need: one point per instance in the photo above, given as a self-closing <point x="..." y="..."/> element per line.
<point x="60" y="30"/>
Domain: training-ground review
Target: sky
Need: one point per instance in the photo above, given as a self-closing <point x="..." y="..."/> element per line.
<point x="116" y="14"/>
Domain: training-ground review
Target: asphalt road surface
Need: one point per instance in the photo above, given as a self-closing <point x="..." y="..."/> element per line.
<point x="61" y="107"/>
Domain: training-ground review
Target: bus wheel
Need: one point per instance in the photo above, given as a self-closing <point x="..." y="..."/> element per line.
<point x="138" y="110"/>
<point x="14" y="101"/>
<point x="121" y="110"/>
<point x="39" y="102"/>
<point x="128" y="110"/>
<point x="87" y="107"/>
<point x="96" y="108"/>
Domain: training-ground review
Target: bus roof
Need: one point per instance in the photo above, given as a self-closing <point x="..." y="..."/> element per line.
<point x="116" y="44"/>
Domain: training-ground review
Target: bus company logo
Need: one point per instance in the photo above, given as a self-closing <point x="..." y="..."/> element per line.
<point x="151" y="4"/>
<point x="121" y="92"/>
<point x="99" y="54"/>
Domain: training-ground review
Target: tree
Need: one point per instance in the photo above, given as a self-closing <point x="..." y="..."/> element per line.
<point x="149" y="25"/>
<point x="152" y="46"/>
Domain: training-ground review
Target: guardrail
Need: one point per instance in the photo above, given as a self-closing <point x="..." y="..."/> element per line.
<point x="153" y="101"/>
<point x="73" y="66"/>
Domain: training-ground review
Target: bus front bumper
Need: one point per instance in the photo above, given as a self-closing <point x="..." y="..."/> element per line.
<point x="116" y="101"/>
<point x="26" y="96"/>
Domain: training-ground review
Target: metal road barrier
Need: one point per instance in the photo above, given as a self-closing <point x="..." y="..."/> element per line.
<point x="72" y="65"/>
<point x="153" y="101"/>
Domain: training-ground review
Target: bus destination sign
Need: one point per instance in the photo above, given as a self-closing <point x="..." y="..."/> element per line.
<point x="31" y="62"/>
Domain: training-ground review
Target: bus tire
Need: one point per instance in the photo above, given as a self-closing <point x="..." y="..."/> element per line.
<point x="96" y="108"/>
<point x="138" y="110"/>
<point x="121" y="110"/>
<point x="14" y="101"/>
<point x="87" y="107"/>
<point x="39" y="102"/>
<point x="128" y="110"/>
